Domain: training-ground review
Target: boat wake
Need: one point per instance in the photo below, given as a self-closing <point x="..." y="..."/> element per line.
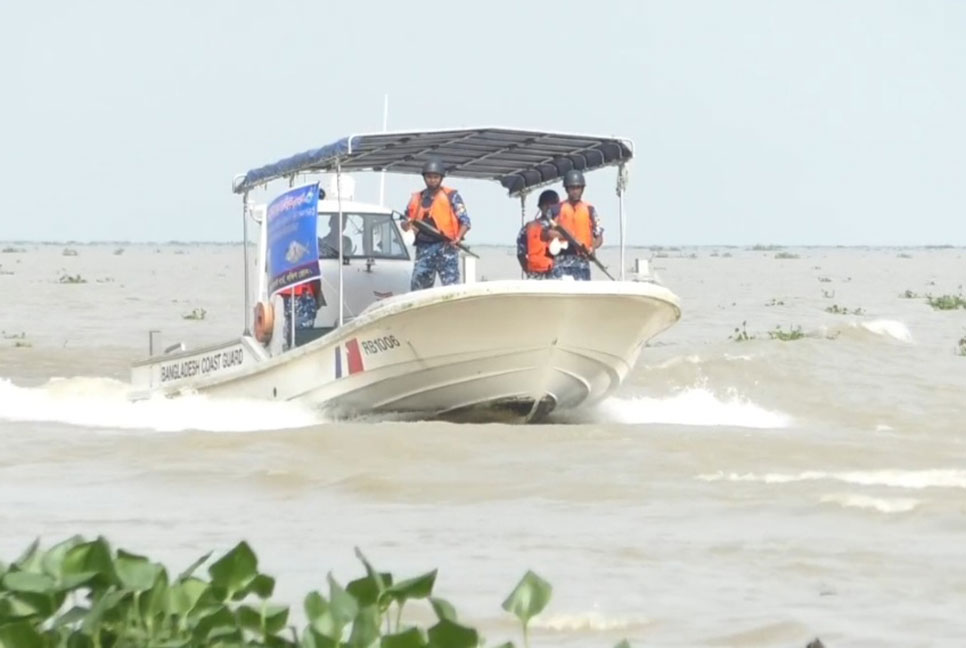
<point x="909" y="479"/>
<point x="694" y="406"/>
<point x="103" y="403"/>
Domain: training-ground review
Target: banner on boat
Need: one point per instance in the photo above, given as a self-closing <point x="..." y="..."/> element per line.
<point x="293" y="246"/>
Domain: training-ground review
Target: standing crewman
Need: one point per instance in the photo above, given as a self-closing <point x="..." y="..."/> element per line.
<point x="580" y="220"/>
<point x="533" y="242"/>
<point x="442" y="208"/>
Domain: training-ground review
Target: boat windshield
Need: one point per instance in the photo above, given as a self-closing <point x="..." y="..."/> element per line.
<point x="365" y="236"/>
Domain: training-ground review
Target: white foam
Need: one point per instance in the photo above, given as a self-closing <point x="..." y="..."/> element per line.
<point x="910" y="479"/>
<point x="694" y="406"/>
<point x="889" y="328"/>
<point x="584" y="621"/>
<point x="103" y="403"/>
<point x="880" y="504"/>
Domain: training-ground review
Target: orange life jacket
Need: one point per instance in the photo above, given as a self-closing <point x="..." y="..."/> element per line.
<point x="441" y="211"/>
<point x="301" y="289"/>
<point x="538" y="258"/>
<point x="576" y="220"/>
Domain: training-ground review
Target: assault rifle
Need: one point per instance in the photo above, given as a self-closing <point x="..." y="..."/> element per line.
<point x="426" y="228"/>
<point x="582" y="249"/>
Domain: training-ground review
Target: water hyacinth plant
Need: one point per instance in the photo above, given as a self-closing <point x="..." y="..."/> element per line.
<point x="946" y="302"/>
<point x="793" y="333"/>
<point x="84" y="594"/>
<point x="835" y="309"/>
<point x="195" y="314"/>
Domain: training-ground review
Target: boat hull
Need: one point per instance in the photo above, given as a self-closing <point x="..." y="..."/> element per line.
<point x="502" y="350"/>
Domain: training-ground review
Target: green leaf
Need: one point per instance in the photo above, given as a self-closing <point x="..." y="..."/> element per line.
<point x="314" y="605"/>
<point x="365" y="628"/>
<point x="69" y="582"/>
<point x="249" y="618"/>
<point x="135" y="572"/>
<point x="367" y="590"/>
<point x="343" y="606"/>
<point x="443" y="609"/>
<point x="275" y="618"/>
<point x="53" y="560"/>
<point x="623" y="643"/>
<point x="529" y="597"/>
<point x="29" y="560"/>
<point x="20" y="581"/>
<point x="193" y="566"/>
<point x="312" y="638"/>
<point x="94" y="556"/>
<point x="321" y="617"/>
<point x="263" y="586"/>
<point x="236" y="569"/>
<point x="447" y="634"/>
<point x="155" y="601"/>
<point x="104" y="607"/>
<point x="20" y="634"/>
<point x="419" y="587"/>
<point x="216" y="623"/>
<point x="71" y="616"/>
<point x="183" y="596"/>
<point x="23" y="605"/>
<point x="411" y="638"/>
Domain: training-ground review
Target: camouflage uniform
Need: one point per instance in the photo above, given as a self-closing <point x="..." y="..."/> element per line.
<point x="569" y="262"/>
<point x="305" y="310"/>
<point x="434" y="256"/>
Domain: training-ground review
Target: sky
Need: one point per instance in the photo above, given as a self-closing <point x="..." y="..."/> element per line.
<point x="794" y="123"/>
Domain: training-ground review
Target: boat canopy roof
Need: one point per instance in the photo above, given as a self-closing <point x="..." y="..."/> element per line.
<point x="518" y="159"/>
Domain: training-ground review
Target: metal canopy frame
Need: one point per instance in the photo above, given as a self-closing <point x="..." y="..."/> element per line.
<point x="520" y="160"/>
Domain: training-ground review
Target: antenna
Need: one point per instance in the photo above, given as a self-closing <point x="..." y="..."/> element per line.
<point x="385" y="125"/>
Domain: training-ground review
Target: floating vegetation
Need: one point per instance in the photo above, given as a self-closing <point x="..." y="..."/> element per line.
<point x="903" y="255"/>
<point x="661" y="255"/>
<point x="787" y="255"/>
<point x="946" y="302"/>
<point x="106" y="280"/>
<point x="775" y="302"/>
<point x="908" y="294"/>
<point x="12" y="250"/>
<point x="118" y="251"/>
<point x="828" y="294"/>
<point x="727" y="255"/>
<point x="741" y="334"/>
<point x="765" y="248"/>
<point x="13" y="336"/>
<point x="69" y="252"/>
<point x="793" y="333"/>
<point x="961" y="346"/>
<point x="71" y="279"/>
<point x="715" y="254"/>
<point x="693" y="255"/>
<point x="84" y="593"/>
<point x="5" y="272"/>
<point x="196" y="314"/>
<point x="840" y="310"/>
<point x="22" y="344"/>
<point x="825" y="280"/>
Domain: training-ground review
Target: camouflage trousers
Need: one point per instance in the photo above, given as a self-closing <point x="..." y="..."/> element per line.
<point x="305" y="310"/>
<point x="553" y="273"/>
<point x="574" y="266"/>
<point x="433" y="259"/>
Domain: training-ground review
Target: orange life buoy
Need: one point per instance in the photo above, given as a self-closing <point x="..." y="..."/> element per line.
<point x="264" y="322"/>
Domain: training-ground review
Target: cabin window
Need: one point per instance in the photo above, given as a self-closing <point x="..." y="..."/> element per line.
<point x="365" y="236"/>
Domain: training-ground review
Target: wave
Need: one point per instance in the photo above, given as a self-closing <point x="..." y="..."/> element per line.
<point x="104" y="403"/>
<point x="909" y="479"/>
<point x="880" y="504"/>
<point x="693" y="406"/>
<point x="585" y="621"/>
<point x="888" y="328"/>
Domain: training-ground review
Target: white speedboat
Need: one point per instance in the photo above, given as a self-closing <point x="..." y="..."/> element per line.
<point x="497" y="350"/>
